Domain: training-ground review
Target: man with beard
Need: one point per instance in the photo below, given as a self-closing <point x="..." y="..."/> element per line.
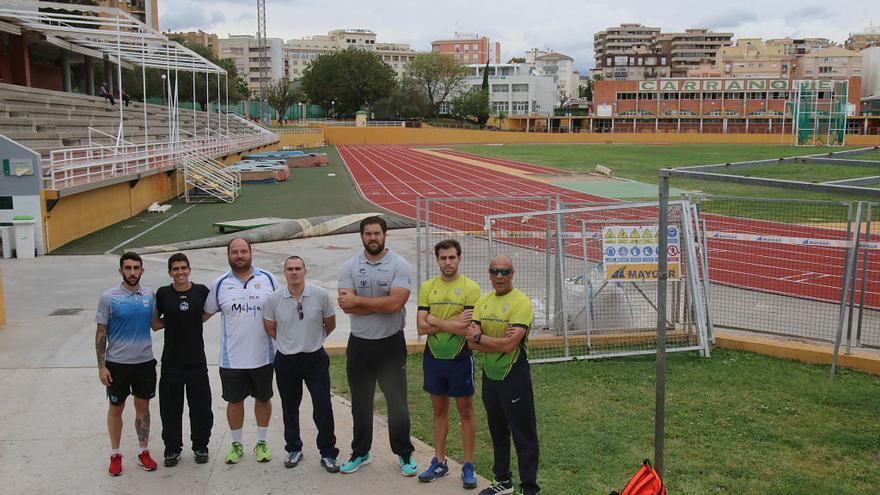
<point x="179" y="310"/>
<point x="373" y="289"/>
<point x="246" y="352"/>
<point x="124" y="349"/>
<point x="446" y="304"/>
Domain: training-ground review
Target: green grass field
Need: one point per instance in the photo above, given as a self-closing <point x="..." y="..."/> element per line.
<point x="736" y="423"/>
<point x="643" y="162"/>
<point x="309" y="192"/>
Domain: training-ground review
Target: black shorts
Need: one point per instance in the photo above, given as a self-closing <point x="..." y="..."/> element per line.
<point x="138" y="380"/>
<point x="240" y="383"/>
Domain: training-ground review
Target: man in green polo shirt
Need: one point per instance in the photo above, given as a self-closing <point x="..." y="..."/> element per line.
<point x="446" y="304"/>
<point x="504" y="317"/>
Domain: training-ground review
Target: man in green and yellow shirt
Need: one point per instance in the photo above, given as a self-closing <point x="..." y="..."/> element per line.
<point x="504" y="317"/>
<point x="446" y="304"/>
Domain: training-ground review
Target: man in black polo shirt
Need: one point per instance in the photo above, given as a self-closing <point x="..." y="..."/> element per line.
<point x="179" y="309"/>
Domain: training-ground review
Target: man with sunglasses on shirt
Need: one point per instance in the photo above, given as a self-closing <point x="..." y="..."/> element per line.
<point x="504" y="317"/>
<point x="299" y="316"/>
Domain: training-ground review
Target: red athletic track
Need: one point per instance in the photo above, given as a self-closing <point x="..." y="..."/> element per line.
<point x="393" y="176"/>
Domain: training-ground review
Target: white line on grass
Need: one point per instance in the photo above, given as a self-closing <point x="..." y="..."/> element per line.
<point x="123" y="243"/>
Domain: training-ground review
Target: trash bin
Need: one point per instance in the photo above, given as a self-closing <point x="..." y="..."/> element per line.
<point x="6" y="240"/>
<point x="24" y="236"/>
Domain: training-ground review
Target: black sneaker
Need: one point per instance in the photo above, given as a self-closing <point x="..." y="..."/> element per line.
<point x="172" y="459"/>
<point x="201" y="456"/>
<point x="498" y="488"/>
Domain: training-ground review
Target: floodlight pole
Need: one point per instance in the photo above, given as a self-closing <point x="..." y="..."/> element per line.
<point x="262" y="50"/>
<point x="662" y="264"/>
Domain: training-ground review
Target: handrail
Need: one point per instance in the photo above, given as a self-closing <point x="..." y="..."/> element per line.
<point x="75" y="166"/>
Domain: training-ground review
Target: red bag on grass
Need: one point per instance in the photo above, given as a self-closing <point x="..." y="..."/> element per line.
<point x="645" y="482"/>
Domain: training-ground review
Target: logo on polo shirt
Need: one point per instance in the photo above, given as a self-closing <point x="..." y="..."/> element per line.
<point x="458" y="291"/>
<point x="246" y="308"/>
<point x="362" y="271"/>
<point x="505" y="308"/>
<point x="184" y="306"/>
<point x="146" y="303"/>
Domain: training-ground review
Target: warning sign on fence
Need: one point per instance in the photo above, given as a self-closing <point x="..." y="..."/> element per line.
<point x="630" y="252"/>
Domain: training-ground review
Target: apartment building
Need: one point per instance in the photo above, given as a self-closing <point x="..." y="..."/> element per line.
<point x="629" y="51"/>
<point x="146" y="11"/>
<point x="829" y="63"/>
<point x="514" y="89"/>
<point x="871" y="71"/>
<point x="692" y="48"/>
<point x="200" y="37"/>
<point x="299" y="53"/>
<point x="752" y="58"/>
<point x="870" y="36"/>
<point x="558" y="66"/>
<point x="469" y="48"/>
<point x="800" y="46"/>
<point x="244" y="50"/>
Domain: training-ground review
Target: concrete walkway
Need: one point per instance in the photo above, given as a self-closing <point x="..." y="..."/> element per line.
<point x="52" y="418"/>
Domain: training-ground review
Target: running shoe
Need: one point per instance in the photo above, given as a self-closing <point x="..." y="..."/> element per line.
<point x="293" y="459"/>
<point x="468" y="478"/>
<point x="330" y="464"/>
<point x="171" y="459"/>
<point x="262" y="451"/>
<point x="201" y="456"/>
<point x="146" y="461"/>
<point x="115" y="465"/>
<point x="408" y="466"/>
<point x="435" y="471"/>
<point x="235" y="453"/>
<point x="498" y="488"/>
<point x="355" y="463"/>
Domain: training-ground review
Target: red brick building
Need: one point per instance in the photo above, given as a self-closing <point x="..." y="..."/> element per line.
<point x="469" y="49"/>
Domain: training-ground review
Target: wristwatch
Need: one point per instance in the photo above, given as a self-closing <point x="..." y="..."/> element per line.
<point x="477" y="337"/>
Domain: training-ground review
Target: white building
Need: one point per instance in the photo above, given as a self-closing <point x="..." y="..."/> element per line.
<point x="244" y="51"/>
<point x="513" y="89"/>
<point x="871" y="72"/>
<point x="299" y="53"/>
<point x="558" y="66"/>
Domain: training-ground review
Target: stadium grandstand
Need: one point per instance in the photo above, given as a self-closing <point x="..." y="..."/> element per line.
<point x="76" y="152"/>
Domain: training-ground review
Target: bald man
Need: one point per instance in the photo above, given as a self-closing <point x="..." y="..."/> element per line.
<point x="246" y="351"/>
<point x="503" y="318"/>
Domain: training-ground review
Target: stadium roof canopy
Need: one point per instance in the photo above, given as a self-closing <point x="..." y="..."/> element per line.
<point x="102" y="31"/>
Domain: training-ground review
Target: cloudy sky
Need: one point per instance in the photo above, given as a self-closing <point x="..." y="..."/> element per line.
<point x="566" y="26"/>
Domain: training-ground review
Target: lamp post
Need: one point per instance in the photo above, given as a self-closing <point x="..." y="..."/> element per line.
<point x="164" y="98"/>
<point x="333" y="109"/>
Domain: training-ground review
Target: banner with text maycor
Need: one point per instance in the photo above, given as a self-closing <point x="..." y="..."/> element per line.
<point x="630" y="253"/>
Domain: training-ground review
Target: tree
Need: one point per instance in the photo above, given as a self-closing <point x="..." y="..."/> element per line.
<point x="437" y="76"/>
<point x="469" y="105"/>
<point x="517" y="60"/>
<point x="404" y="102"/>
<point x="586" y="91"/>
<point x="348" y="80"/>
<point x="282" y="95"/>
<point x="483" y="116"/>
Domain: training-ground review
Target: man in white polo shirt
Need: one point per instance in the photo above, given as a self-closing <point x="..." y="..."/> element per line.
<point x="299" y="317"/>
<point x="246" y="352"/>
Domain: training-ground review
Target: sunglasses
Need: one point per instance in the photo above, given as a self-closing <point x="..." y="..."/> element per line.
<point x="299" y="309"/>
<point x="500" y="271"/>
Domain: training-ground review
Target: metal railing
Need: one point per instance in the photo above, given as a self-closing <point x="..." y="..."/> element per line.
<point x="207" y="179"/>
<point x="77" y="166"/>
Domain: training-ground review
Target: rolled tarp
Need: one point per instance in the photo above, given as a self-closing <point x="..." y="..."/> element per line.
<point x="294" y="229"/>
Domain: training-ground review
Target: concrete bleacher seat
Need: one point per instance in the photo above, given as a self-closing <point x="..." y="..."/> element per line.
<point x="47" y="120"/>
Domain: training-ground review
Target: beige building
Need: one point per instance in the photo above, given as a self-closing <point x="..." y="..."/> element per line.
<point x="859" y="41"/>
<point x="200" y="37"/>
<point x="629" y="51"/>
<point x="146" y="11"/>
<point x="752" y="58"/>
<point x="244" y="51"/>
<point x="558" y="66"/>
<point x="829" y="63"/>
<point x="800" y="46"/>
<point x="299" y="53"/>
<point x="691" y="49"/>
